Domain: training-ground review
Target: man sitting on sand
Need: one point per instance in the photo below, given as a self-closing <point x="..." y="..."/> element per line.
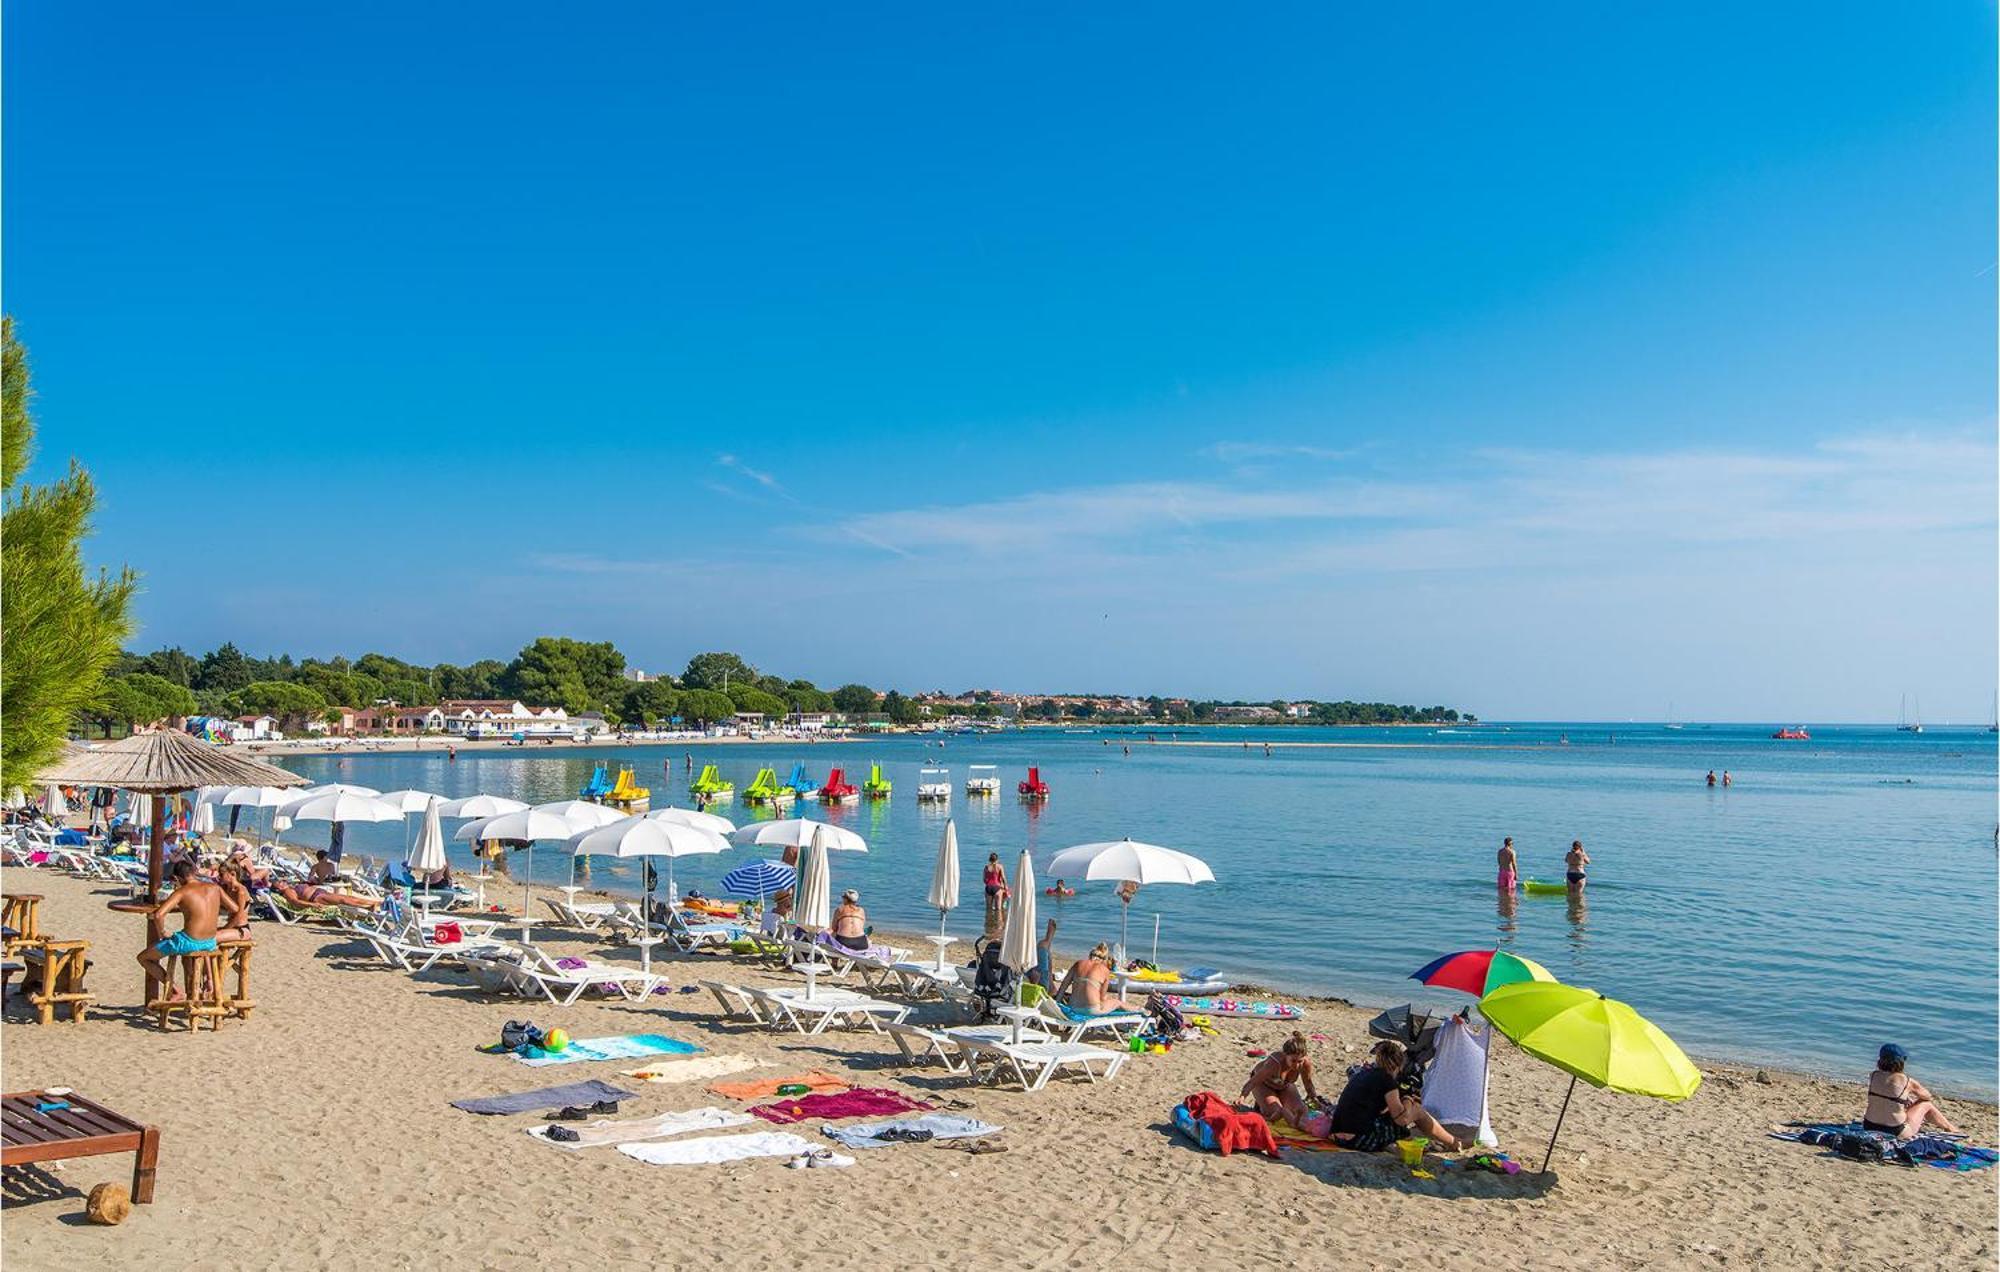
<point x="1373" y="1112"/>
<point x="200" y="905"/>
<point x="1273" y="1086"/>
<point x="1087" y="987"/>
<point x="1897" y="1102"/>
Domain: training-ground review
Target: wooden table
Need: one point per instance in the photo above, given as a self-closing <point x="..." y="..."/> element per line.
<point x="85" y="1129"/>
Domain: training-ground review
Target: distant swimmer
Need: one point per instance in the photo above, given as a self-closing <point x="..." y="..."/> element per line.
<point x="1574" y="862"/>
<point x="1711" y="777"/>
<point x="1725" y="777"/>
<point x="1507" y="865"/>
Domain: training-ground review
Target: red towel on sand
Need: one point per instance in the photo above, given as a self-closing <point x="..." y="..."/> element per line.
<point x="1234" y="1129"/>
<point x="861" y="1103"/>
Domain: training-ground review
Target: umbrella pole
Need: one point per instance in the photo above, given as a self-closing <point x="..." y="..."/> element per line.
<point x="1547" y="1153"/>
<point x="1156" y="940"/>
<point x="1124" y="922"/>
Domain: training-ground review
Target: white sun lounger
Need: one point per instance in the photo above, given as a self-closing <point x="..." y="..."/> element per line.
<point x="588" y="915"/>
<point x="1032" y="1064"/>
<point x="528" y="970"/>
<point x="1121" y="1025"/>
<point x="812" y="1014"/>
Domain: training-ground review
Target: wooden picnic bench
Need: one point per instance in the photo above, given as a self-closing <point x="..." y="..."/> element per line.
<point x="84" y="1129"/>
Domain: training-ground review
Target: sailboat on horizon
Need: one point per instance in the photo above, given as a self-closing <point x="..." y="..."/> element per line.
<point x="1910" y="724"/>
<point x="1671" y="722"/>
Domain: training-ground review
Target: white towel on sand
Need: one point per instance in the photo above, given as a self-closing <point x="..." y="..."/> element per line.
<point x="606" y="1131"/>
<point x="719" y="1148"/>
<point x="693" y="1069"/>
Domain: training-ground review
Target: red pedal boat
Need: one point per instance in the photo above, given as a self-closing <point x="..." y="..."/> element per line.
<point x="1034" y="787"/>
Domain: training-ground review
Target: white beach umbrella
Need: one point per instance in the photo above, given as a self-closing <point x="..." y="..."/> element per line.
<point x="54" y="806"/>
<point x="944" y="881"/>
<point x="528" y="825"/>
<point x="270" y="798"/>
<point x="339" y="807"/>
<point x="410" y="800"/>
<point x="798" y="832"/>
<point x="1017" y="939"/>
<point x="582" y="814"/>
<point x="639" y="837"/>
<point x="343" y="788"/>
<point x="814" y="907"/>
<point x="479" y="806"/>
<point x="698" y="820"/>
<point x="426" y="855"/>
<point x="1128" y="861"/>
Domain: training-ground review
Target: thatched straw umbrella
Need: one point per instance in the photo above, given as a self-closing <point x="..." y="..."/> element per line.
<point x="161" y="763"/>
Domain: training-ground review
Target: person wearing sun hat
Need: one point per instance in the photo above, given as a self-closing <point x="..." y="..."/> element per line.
<point x="1898" y="1104"/>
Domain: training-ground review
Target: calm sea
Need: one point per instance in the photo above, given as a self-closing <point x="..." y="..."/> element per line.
<point x="1842" y="893"/>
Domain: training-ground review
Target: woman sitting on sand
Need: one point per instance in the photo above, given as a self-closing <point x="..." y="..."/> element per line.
<point x="1897" y="1102"/>
<point x="1273" y="1086"/>
<point x="1088" y="984"/>
<point x="1373" y="1112"/>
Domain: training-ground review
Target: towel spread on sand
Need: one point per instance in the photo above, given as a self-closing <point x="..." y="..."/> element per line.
<point x="865" y="1102"/>
<point x="693" y="1069"/>
<point x="763" y="1088"/>
<point x="616" y="1047"/>
<point x="942" y="1126"/>
<point x="554" y="1097"/>
<point x="606" y="1131"/>
<point x="1289" y="1136"/>
<point x="1924" y="1150"/>
<point x="719" y="1148"/>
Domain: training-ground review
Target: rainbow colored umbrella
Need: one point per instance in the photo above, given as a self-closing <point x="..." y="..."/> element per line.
<point x="1480" y="972"/>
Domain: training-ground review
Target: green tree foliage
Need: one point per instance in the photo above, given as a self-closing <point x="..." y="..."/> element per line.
<point x="293" y="704"/>
<point x="572" y="674"/>
<point x="340" y="687"/>
<point x="480" y="680"/>
<point x="899" y="709"/>
<point x="808" y="698"/>
<point x="225" y="669"/>
<point x="712" y="671"/>
<point x="707" y="706"/>
<point x="1156" y="707"/>
<point x="60" y="627"/>
<point x="140" y="698"/>
<point x="175" y="664"/>
<point x="650" y="702"/>
<point x="1046" y="709"/>
<point x="751" y="698"/>
<point x="855" y="700"/>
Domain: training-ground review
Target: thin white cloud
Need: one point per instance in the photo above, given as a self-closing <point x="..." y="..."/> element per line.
<point x="1244" y="452"/>
<point x="758" y="475"/>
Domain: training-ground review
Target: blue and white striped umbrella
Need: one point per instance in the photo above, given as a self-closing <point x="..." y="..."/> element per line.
<point x="759" y="879"/>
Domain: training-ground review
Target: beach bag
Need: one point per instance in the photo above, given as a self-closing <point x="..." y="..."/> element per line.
<point x="447" y="934"/>
<point x="518" y="1034"/>
<point x="1859" y="1148"/>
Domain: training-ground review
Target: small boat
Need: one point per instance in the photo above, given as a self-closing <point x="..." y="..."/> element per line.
<point x="597" y="787"/>
<point x="877" y="786"/>
<point x="1797" y="733"/>
<point x="764" y="789"/>
<point x="1906" y="723"/>
<point x="982" y="779"/>
<point x="933" y="783"/>
<point x="627" y="793"/>
<point x="709" y="786"/>
<point x="1034" y="787"/>
<point x="801" y="785"/>
<point x="838" y="790"/>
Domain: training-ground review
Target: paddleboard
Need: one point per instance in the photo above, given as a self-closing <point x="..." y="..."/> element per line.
<point x="1233" y="1007"/>
<point x="1537" y="888"/>
<point x="1132" y="985"/>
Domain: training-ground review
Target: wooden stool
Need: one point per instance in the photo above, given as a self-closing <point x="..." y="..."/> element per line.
<point x="203" y="996"/>
<point x="21" y="911"/>
<point x="63" y="966"/>
<point x="236" y="963"/>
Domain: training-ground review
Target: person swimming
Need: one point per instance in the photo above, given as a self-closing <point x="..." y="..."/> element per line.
<point x="1059" y="889"/>
<point x="1508" y="864"/>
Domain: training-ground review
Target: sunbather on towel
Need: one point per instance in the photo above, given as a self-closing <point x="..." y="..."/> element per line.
<point x="200" y="904"/>
<point x="1087" y="987"/>
<point x="1273" y="1086"/>
<point x="1898" y="1103"/>
<point x="314" y="894"/>
<point x="850" y="921"/>
<point x="1373" y="1112"/>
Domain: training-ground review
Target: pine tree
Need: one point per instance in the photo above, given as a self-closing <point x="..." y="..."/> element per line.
<point x="59" y="627"/>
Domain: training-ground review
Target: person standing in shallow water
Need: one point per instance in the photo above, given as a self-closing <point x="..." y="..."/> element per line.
<point x="1508" y="864"/>
<point x="1574" y="862"/>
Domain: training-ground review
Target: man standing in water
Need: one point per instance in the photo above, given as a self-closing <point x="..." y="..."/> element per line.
<point x="1507" y="865"/>
<point x="1574" y="862"/>
<point x="200" y="904"/>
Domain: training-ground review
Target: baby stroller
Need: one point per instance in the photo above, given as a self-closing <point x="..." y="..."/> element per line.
<point x="1417" y="1030"/>
<point x="993" y="982"/>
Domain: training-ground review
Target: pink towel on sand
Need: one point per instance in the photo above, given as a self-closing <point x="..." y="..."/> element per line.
<point x="864" y="1102"/>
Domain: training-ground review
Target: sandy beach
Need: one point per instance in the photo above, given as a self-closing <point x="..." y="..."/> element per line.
<point x="318" y="1133"/>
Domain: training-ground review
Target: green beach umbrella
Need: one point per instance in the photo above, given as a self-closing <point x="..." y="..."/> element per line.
<point x="1588" y="1036"/>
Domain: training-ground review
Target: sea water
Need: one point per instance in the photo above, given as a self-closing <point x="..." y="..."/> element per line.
<point x="1841" y="893"/>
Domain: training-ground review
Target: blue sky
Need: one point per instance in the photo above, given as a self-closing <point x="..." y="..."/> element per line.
<point x="1552" y="363"/>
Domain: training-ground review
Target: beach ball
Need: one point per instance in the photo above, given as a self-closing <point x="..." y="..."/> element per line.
<point x="556" y="1040"/>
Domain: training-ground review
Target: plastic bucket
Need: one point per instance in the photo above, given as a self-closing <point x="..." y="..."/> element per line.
<point x="1413" y="1149"/>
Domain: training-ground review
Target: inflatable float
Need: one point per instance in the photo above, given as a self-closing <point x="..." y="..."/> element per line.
<point x="1536" y="888"/>
<point x="1197" y="981"/>
<point x="1242" y="1007"/>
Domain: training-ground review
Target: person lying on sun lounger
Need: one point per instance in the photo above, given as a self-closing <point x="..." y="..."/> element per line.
<point x="1273" y="1086"/>
<point x="1373" y="1112"/>
<point x="252" y="875"/>
<point x="314" y="894"/>
<point x="1087" y="987"/>
<point x="1897" y="1102"/>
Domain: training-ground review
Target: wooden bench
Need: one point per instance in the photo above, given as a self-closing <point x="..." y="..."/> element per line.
<point x="63" y="965"/>
<point x="22" y="912"/>
<point x="85" y="1129"/>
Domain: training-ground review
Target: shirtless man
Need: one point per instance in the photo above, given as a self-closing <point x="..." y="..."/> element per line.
<point x="200" y="905"/>
<point x="1088" y="983"/>
<point x="1508" y="864"/>
<point x="323" y="870"/>
<point x="1573" y="863"/>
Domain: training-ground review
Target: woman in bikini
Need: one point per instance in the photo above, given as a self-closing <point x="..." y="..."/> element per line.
<point x="1088" y="983"/>
<point x="1273" y="1086"/>
<point x="1898" y="1103"/>
<point x="1574" y="862"/>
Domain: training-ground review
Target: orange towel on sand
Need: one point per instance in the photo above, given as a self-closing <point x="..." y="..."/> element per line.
<point x="816" y="1081"/>
<point x="1289" y="1136"/>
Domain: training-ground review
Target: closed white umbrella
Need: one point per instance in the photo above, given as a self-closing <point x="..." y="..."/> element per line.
<point x="944" y="882"/>
<point x="698" y="820"/>
<point x="1017" y="939"/>
<point x="639" y="837"/>
<point x="1128" y="861"/>
<point x="426" y="856"/>
<point x="54" y="806"/>
<point x="798" y="832"/>
<point x="201" y="819"/>
<point x="527" y="825"/>
<point x="814" y="910"/>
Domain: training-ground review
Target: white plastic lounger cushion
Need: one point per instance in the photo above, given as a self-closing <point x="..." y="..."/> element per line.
<point x="609" y="1131"/>
<point x="720" y="1148"/>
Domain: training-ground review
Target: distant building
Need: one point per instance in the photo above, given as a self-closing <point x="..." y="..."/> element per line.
<point x="483" y="717"/>
<point x="591" y="722"/>
<point x="1299" y="710"/>
<point x="810" y="721"/>
<point x="1247" y="713"/>
<point x="637" y="677"/>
